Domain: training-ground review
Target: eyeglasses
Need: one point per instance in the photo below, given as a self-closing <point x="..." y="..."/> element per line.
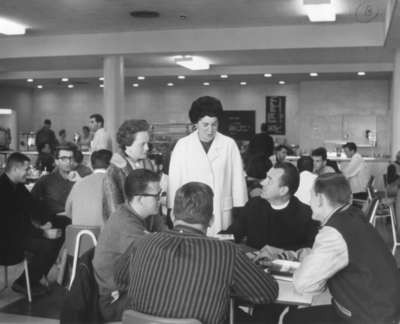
<point x="65" y="158"/>
<point x="158" y="195"/>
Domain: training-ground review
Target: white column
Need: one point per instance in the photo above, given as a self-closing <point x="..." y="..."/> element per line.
<point x="395" y="143"/>
<point x="114" y="95"/>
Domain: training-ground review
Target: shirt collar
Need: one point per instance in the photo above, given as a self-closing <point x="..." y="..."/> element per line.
<point x="281" y="206"/>
<point x="334" y="211"/>
<point x="187" y="230"/>
<point x="99" y="171"/>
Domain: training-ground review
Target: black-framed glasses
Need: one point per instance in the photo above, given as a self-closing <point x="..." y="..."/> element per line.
<point x="158" y="195"/>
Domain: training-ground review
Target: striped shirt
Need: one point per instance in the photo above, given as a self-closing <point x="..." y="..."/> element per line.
<point x="184" y="274"/>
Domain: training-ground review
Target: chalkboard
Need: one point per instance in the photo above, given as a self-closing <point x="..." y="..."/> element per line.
<point x="275" y="116"/>
<point x="238" y="124"/>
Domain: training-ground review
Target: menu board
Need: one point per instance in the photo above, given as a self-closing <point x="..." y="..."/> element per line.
<point x="275" y="116"/>
<point x="239" y="124"/>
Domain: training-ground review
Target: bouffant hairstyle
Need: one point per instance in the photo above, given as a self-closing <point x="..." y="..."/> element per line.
<point x="127" y="131"/>
<point x="205" y="106"/>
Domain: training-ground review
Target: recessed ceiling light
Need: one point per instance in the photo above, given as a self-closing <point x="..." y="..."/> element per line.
<point x="101" y="78"/>
<point x="361" y="73"/>
<point x="192" y="62"/>
<point x="181" y="77"/>
<point x="319" y="10"/>
<point x="170" y="84"/>
<point x="64" y="79"/>
<point x="5" y="111"/>
<point x="39" y="86"/>
<point x="206" y="84"/>
<point x="141" y="77"/>
<point x="313" y="74"/>
<point x="267" y="75"/>
<point x="135" y="85"/>
<point x="9" y="27"/>
<point x="281" y="82"/>
<point x="29" y="80"/>
<point x="224" y="76"/>
<point x="243" y="83"/>
<point x="101" y="85"/>
<point x="70" y="86"/>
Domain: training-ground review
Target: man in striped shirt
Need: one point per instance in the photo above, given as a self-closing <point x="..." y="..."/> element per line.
<point x="184" y="274"/>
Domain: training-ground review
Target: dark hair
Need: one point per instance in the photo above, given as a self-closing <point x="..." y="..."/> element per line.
<point x="305" y="163"/>
<point x="280" y="147"/>
<point x="14" y="159"/>
<point x="205" y="106"/>
<point x="391" y="174"/>
<point x="127" y="131"/>
<point x="194" y="203"/>
<point x="47" y="122"/>
<point x="62" y="131"/>
<point x="351" y="146"/>
<point x="137" y="182"/>
<point x="264" y="127"/>
<point x="100" y="159"/>
<point x="290" y="176"/>
<point x="320" y="151"/>
<point x="98" y="118"/>
<point x="78" y="156"/>
<point x="70" y="148"/>
<point x="257" y="166"/>
<point x="86" y="128"/>
<point x="334" y="187"/>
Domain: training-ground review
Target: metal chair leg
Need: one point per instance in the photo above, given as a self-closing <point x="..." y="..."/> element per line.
<point x="28" y="283"/>
<point x="61" y="270"/>
<point x="5" y="276"/>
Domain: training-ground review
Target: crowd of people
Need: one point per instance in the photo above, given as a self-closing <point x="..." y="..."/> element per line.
<point x="170" y="264"/>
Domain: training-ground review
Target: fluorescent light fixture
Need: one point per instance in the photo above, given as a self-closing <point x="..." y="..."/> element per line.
<point x="267" y="75"/>
<point x="39" y="86"/>
<point x="135" y="85"/>
<point x="181" y="77"/>
<point x="170" y="84"/>
<point x="281" y="82"/>
<point x="361" y="73"/>
<point x="319" y="10"/>
<point x="29" y="80"/>
<point x="206" y="84"/>
<point x="243" y="83"/>
<point x="141" y="77"/>
<point x="313" y="74"/>
<point x="224" y="76"/>
<point x="5" y="111"/>
<point x="9" y="27"/>
<point x="64" y="79"/>
<point x="101" y="85"/>
<point x="101" y="79"/>
<point x="70" y="86"/>
<point x="192" y="62"/>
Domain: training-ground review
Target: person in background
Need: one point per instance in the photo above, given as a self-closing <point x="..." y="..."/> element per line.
<point x="85" y="202"/>
<point x="101" y="139"/>
<point x="77" y="165"/>
<point x="86" y="139"/>
<point x="319" y="156"/>
<point x="133" y="219"/>
<point x="261" y="143"/>
<point x="17" y="232"/>
<point x="256" y="169"/>
<point x="62" y="141"/>
<point x="210" y="157"/>
<point x="46" y="136"/>
<point x="133" y="140"/>
<point x="45" y="161"/>
<point x="197" y="273"/>
<point x="356" y="171"/>
<point x="280" y="155"/>
<point x="307" y="178"/>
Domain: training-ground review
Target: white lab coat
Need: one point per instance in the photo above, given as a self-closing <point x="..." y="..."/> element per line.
<point x="221" y="168"/>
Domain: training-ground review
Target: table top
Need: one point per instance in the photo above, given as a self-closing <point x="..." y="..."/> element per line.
<point x="289" y="296"/>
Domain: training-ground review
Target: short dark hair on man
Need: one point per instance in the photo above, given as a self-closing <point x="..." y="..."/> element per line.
<point x="15" y="159"/>
<point x="334" y="187"/>
<point x="69" y="147"/>
<point x="98" y="118"/>
<point x="78" y="156"/>
<point x="264" y="127"/>
<point x="320" y="151"/>
<point x="351" y="146"/>
<point x="137" y="181"/>
<point x="290" y="176"/>
<point x="62" y="132"/>
<point x="127" y="131"/>
<point x="205" y="106"/>
<point x="194" y="203"/>
<point x="47" y="122"/>
<point x="305" y="163"/>
<point x="100" y="159"/>
<point x="280" y="147"/>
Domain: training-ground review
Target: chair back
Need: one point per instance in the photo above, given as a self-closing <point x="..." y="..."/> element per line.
<point x="86" y="242"/>
<point x="133" y="317"/>
<point x="371" y="210"/>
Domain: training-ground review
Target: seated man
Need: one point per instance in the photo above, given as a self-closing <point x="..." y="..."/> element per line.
<point x="350" y="258"/>
<point x="319" y="156"/>
<point x="277" y="217"/>
<point x="307" y="178"/>
<point x="356" y="171"/>
<point x="78" y="166"/>
<point x="133" y="219"/>
<point x="280" y="155"/>
<point x="17" y="233"/>
<point x="85" y="201"/>
<point x="53" y="189"/>
<point x="184" y="274"/>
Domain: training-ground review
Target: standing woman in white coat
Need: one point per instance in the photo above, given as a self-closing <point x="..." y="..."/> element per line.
<point x="210" y="157"/>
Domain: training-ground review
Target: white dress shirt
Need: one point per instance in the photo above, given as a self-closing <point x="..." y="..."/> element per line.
<point x="101" y="141"/>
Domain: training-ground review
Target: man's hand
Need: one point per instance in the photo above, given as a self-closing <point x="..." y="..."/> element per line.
<point x="46" y="226"/>
<point x="52" y="233"/>
<point x="268" y="252"/>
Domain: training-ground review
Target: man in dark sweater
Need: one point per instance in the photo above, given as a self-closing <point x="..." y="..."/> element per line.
<point x="17" y="233"/>
<point x="277" y="217"/>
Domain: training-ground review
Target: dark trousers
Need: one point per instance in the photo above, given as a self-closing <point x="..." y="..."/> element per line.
<point x="112" y="311"/>
<point x="324" y="314"/>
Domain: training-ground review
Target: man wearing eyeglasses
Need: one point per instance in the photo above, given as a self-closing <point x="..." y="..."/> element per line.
<point x="133" y="219"/>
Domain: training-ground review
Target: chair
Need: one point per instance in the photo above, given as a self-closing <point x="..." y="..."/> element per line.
<point x="370" y="213"/>
<point x="28" y="283"/>
<point x="78" y="240"/>
<point x="396" y="241"/>
<point x="133" y="317"/>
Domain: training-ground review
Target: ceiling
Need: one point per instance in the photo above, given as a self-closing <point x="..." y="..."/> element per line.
<point x="239" y="37"/>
